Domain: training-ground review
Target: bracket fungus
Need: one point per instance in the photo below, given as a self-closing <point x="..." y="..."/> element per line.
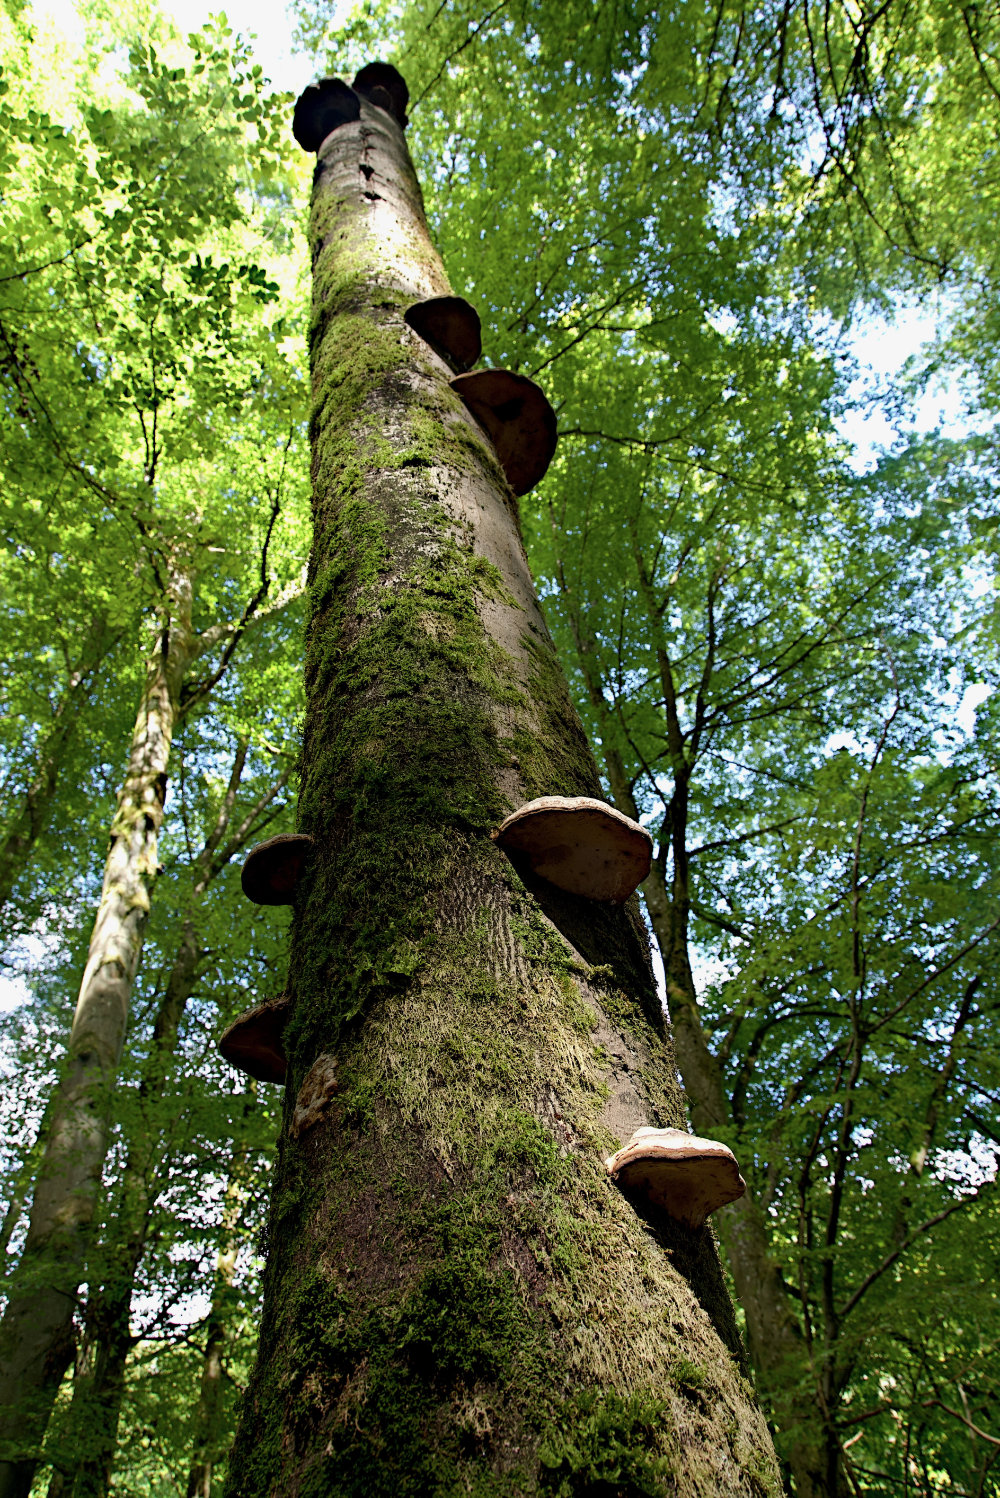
<point x="272" y="870"/>
<point x="252" y="1042"/>
<point x="580" y="845"/>
<point x="516" y="416"/>
<point x="381" y="84"/>
<point x="451" y="326"/>
<point x="686" y="1176"/>
<point x="322" y="108"/>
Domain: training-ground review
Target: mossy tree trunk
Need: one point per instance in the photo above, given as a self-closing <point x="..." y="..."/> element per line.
<point x="36" y="1335"/>
<point x="85" y="1461"/>
<point x="457" y="1300"/>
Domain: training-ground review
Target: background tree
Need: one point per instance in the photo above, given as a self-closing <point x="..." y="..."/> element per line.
<point x="171" y="355"/>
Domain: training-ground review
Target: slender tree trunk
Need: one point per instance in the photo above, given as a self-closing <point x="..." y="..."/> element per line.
<point x="20" y="1190"/>
<point x="456" y="1297"/>
<point x="88" y="1455"/>
<point x="777" y="1349"/>
<point x="27" y="821"/>
<point x="776" y="1346"/>
<point x="59" y="1484"/>
<point x="85" y="1464"/>
<point x="36" y="1335"/>
<point x="211" y="1408"/>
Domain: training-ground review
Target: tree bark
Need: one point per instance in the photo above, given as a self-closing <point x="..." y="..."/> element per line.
<point x="36" y="1335"/>
<point x="456" y="1297"/>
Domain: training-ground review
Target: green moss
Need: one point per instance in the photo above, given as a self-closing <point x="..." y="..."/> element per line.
<point x="435" y="440"/>
<point x="602" y="1444"/>
<point x="348" y="369"/>
<point x="459" y="1328"/>
<point x="687" y="1375"/>
<point x="537" y="940"/>
<point x="463" y="1323"/>
<point x="556" y="759"/>
<point x="524" y="1145"/>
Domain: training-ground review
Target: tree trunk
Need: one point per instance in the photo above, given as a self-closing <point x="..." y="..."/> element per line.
<point x="97" y="1391"/>
<point x="36" y="1335"/>
<point x="456" y="1297"/>
<point x="210" y="1394"/>
<point x="20" y="1190"/>
<point x="85" y="1464"/>
<point x="777" y="1349"/>
<point x="27" y="823"/>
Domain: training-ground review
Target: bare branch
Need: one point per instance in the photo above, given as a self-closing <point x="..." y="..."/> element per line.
<point x="976" y="1430"/>
<point x="897" y="1253"/>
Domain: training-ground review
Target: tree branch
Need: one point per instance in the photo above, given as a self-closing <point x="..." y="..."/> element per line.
<point x="897" y="1253"/>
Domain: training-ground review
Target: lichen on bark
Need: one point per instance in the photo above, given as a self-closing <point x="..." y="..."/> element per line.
<point x="457" y="1300"/>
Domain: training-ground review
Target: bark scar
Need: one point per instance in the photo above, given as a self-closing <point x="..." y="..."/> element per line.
<point x="315" y="1095"/>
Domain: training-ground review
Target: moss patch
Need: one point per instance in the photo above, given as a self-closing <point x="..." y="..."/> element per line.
<point x="600" y="1445"/>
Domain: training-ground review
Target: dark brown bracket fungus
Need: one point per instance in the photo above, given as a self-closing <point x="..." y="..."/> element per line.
<point x="518" y="420"/>
<point x="580" y="845"/>
<point x="271" y="872"/>
<point x="686" y="1176"/>
<point x="253" y="1041"/>
<point x="383" y="85"/>
<point x="322" y="108"/>
<point x="451" y="326"/>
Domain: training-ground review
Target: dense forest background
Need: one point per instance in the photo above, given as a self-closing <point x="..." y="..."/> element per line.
<point x="681" y="221"/>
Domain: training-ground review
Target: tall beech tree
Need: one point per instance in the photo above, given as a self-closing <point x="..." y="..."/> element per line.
<point x="656" y="211"/>
<point x="455" y="1294"/>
